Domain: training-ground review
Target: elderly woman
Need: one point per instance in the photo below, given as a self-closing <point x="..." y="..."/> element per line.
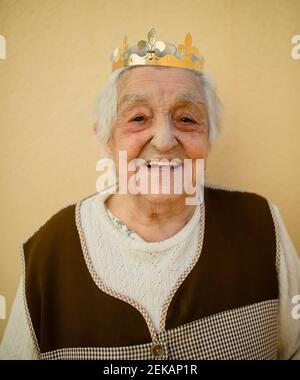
<point x="144" y="275"/>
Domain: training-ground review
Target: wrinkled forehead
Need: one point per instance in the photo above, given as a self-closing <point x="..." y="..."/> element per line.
<point x="146" y="84"/>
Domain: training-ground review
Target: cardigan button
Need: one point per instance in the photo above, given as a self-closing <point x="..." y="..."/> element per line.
<point x="157" y="350"/>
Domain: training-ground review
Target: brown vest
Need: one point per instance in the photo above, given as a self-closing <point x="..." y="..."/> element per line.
<point x="236" y="271"/>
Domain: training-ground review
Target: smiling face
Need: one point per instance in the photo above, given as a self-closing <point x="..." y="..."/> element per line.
<point x="161" y="114"/>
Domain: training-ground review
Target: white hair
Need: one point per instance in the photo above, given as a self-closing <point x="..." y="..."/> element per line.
<point x="105" y="110"/>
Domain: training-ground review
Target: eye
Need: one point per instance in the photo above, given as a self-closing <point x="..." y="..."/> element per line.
<point x="186" y="120"/>
<point x="138" y="118"/>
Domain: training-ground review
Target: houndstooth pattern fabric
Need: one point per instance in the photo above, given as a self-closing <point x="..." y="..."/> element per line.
<point x="249" y="332"/>
<point x="140" y="352"/>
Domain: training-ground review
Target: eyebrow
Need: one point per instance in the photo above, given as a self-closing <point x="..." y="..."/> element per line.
<point x="133" y="98"/>
<point x="185" y="97"/>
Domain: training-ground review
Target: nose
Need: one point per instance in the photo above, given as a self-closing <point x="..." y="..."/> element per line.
<point x="163" y="138"/>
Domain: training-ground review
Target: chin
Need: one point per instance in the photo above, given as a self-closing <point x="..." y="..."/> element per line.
<point x="163" y="198"/>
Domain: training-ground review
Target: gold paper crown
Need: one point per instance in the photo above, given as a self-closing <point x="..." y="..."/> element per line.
<point x="158" y="53"/>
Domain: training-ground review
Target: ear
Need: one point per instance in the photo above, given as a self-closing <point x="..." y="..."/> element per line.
<point x="109" y="147"/>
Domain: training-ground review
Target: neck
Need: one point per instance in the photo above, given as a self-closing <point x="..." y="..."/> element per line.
<point x="153" y="220"/>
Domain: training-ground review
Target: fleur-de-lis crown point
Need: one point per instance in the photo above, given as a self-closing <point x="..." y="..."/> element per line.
<point x="157" y="52"/>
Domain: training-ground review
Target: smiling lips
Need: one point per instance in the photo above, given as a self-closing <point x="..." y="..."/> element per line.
<point x="163" y="163"/>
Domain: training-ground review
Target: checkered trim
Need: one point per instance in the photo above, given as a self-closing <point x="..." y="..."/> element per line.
<point x="249" y="332"/>
<point x="140" y="352"/>
<point x="277" y="260"/>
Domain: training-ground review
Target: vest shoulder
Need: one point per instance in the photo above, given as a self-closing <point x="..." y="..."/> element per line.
<point x="223" y="192"/>
<point x="60" y="226"/>
<point x="244" y="204"/>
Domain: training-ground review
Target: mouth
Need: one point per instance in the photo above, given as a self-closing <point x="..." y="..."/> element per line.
<point x="163" y="163"/>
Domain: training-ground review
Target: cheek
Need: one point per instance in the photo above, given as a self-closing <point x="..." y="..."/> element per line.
<point x="132" y="143"/>
<point x="195" y="145"/>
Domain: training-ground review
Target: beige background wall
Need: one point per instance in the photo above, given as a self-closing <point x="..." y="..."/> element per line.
<point x="57" y="61"/>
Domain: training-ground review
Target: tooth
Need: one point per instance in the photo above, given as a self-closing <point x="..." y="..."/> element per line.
<point x="163" y="163"/>
<point x="176" y="163"/>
